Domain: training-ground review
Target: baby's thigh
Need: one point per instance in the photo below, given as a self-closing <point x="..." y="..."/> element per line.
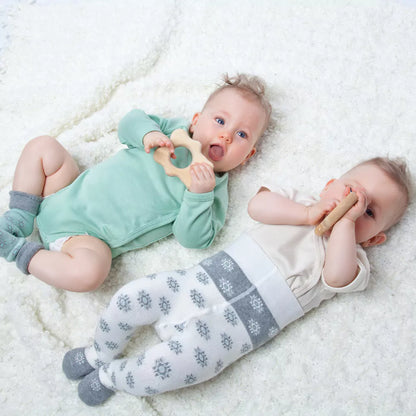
<point x="219" y="338"/>
<point x="90" y="257"/>
<point x="184" y="295"/>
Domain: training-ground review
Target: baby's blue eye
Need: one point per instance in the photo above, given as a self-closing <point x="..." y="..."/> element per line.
<point x="369" y="212"/>
<point x="220" y="121"/>
<point x="242" y="134"/>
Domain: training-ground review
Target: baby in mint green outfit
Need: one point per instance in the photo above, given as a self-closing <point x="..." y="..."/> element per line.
<point x="127" y="201"/>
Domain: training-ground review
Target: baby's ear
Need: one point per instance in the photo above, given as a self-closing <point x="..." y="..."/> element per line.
<point x="251" y="154"/>
<point x="329" y="183"/>
<point x="380" y="238"/>
<point x="327" y="186"/>
<point x="195" y="119"/>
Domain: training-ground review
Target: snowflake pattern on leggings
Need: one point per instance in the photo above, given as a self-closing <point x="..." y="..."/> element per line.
<point x="203" y="329"/>
<point x="150" y="391"/>
<point x="226" y="341"/>
<point x="164" y="305"/>
<point x="176" y="347"/>
<point x="161" y="368"/>
<point x="125" y="326"/>
<point x="219" y="366"/>
<point x="123" y="365"/>
<point x="97" y="346"/>
<point x="227" y="265"/>
<point x="152" y="276"/>
<point x="144" y="299"/>
<point x="173" y="284"/>
<point x="130" y="380"/>
<point x="226" y="286"/>
<point x="197" y="299"/>
<point x="189" y="379"/>
<point x="200" y="357"/>
<point x="202" y="278"/>
<point x="124" y="303"/>
<point x="253" y="327"/>
<point x="140" y="359"/>
<point x="257" y="304"/>
<point x="104" y="326"/>
<point x="111" y="345"/>
<point x="245" y="348"/>
<point x="230" y="316"/>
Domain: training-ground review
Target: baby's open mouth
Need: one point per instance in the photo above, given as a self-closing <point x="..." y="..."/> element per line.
<point x="216" y="152"/>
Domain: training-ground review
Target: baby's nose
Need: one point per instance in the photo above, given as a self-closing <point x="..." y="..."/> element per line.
<point x="226" y="137"/>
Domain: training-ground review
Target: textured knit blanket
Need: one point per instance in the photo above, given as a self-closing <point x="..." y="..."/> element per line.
<point x="342" y="82"/>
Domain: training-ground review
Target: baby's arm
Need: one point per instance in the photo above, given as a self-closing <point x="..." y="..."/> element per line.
<point x="341" y="265"/>
<point x="136" y="124"/>
<point x="272" y="208"/>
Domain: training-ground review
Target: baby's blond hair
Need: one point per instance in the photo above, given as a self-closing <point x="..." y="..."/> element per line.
<point x="397" y="170"/>
<point x="252" y="87"/>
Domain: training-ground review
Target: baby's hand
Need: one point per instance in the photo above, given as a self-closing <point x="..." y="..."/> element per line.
<point x="359" y="207"/>
<point x="316" y="212"/>
<point x="158" y="139"/>
<point x="202" y="178"/>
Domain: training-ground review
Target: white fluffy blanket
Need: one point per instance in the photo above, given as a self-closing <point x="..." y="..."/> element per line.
<point x="343" y="84"/>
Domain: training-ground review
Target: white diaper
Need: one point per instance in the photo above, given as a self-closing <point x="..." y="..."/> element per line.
<point x="57" y="244"/>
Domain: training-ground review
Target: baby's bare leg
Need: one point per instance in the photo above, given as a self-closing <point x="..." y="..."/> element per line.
<point x="44" y="167"/>
<point x="81" y="266"/>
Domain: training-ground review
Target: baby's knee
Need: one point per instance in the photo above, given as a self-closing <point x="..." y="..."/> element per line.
<point x="89" y="278"/>
<point x="39" y="143"/>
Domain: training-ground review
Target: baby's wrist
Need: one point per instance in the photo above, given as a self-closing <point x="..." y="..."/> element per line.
<point x="346" y="220"/>
<point x="309" y="218"/>
<point x="154" y="134"/>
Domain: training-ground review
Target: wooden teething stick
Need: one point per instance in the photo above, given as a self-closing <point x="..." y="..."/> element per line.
<point x="336" y="214"/>
<point x="179" y="138"/>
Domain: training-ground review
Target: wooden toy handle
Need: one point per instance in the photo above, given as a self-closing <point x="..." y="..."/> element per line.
<point x="336" y="214"/>
<point x="180" y="138"/>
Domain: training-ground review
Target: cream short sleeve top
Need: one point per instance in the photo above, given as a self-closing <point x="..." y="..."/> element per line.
<point x="299" y="254"/>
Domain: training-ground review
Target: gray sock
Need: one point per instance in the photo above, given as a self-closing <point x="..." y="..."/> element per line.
<point x="23" y="209"/>
<point x="10" y="245"/>
<point x="25" y="201"/>
<point x="25" y="254"/>
<point x="91" y="391"/>
<point x="75" y="364"/>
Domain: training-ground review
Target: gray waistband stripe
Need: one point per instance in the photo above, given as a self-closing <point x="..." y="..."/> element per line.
<point x="227" y="275"/>
<point x="259" y="322"/>
<point x="266" y="277"/>
<point x="237" y="289"/>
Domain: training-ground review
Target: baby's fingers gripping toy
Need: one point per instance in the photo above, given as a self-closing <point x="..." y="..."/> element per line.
<point x="180" y="138"/>
<point x="336" y="214"/>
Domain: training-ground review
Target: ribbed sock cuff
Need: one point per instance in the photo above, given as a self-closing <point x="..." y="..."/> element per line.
<point x="28" y="250"/>
<point x="25" y="201"/>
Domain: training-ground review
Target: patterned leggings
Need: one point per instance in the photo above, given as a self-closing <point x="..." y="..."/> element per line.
<point x="207" y="317"/>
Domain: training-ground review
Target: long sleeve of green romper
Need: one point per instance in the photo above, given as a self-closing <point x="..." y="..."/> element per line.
<point x="129" y="202"/>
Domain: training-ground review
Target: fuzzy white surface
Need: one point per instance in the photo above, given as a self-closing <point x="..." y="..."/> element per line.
<point x="342" y="79"/>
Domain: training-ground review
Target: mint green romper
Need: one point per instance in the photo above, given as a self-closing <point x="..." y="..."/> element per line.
<point x="129" y="202"/>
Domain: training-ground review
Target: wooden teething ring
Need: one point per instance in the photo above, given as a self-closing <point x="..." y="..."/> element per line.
<point x="336" y="214"/>
<point x="180" y="138"/>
